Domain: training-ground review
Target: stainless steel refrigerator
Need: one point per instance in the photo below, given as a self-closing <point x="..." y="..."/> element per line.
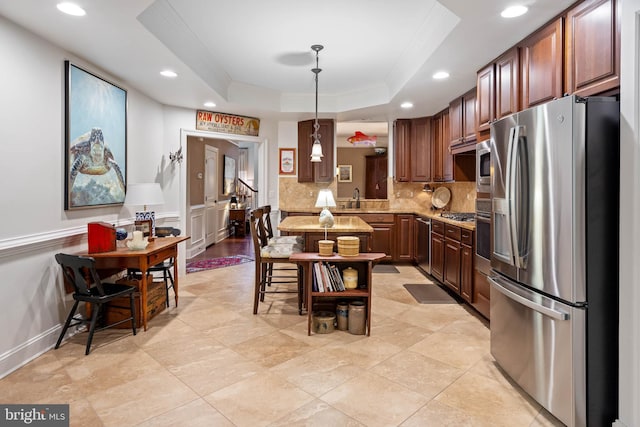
<point x="554" y="262"/>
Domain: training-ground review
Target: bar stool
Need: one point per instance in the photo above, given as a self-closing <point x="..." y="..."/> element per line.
<point x="266" y="255"/>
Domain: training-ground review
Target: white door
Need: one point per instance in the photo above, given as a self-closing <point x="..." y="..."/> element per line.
<point x="210" y="193"/>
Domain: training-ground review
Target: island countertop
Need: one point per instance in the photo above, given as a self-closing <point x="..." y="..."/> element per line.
<point x="339" y="213"/>
<point x="310" y="224"/>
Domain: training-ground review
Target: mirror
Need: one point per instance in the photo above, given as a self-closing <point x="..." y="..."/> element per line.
<point x="362" y="159"/>
<point x="229" y="175"/>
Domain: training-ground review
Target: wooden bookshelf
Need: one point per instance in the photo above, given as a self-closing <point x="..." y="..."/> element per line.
<point x="363" y="262"/>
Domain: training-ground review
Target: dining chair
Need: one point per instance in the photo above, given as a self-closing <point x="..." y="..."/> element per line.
<point x="274" y="240"/>
<point x="80" y="272"/>
<point x="165" y="267"/>
<point x="266" y="255"/>
<point x="299" y="240"/>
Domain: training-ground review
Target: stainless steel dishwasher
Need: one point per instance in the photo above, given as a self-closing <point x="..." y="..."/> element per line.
<point x="424" y="244"/>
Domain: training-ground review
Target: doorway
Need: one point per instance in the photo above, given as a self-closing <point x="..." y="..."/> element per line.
<point x="210" y="194"/>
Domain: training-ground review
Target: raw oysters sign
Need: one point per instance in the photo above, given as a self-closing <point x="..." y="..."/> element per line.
<point x="227" y="123"/>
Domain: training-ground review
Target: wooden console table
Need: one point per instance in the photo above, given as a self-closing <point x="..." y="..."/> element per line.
<point x="160" y="249"/>
<point x="363" y="263"/>
<point x="238" y="219"/>
<point x="310" y="228"/>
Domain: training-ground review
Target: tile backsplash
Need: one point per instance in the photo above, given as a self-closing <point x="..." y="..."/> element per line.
<point x="409" y="196"/>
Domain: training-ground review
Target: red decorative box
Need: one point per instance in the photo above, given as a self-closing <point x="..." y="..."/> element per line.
<point x="102" y="237"/>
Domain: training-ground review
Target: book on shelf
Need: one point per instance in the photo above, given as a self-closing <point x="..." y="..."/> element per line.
<point x="326" y="278"/>
<point x="316" y="269"/>
<point x="314" y="281"/>
<point x="338" y="277"/>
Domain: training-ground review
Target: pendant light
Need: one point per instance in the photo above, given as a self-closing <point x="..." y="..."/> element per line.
<point x="316" y="150"/>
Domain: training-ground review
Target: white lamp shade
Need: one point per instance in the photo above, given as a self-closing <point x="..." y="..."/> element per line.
<point x="316" y="152"/>
<point x="144" y="194"/>
<point x="325" y="199"/>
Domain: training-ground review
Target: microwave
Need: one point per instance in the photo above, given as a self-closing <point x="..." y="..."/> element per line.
<point x="483" y="167"/>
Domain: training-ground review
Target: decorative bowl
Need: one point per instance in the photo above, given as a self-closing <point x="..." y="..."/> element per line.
<point x="137" y="246"/>
<point x="164" y="231"/>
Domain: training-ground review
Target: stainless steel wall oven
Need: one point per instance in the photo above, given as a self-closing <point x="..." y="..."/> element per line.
<point x="483" y="167"/>
<point x="483" y="236"/>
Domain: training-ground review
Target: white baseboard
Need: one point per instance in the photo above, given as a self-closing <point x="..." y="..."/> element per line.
<point x="28" y="351"/>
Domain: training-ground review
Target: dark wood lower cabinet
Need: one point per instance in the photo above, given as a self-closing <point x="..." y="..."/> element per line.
<point x="481" y="293"/>
<point x="404" y="238"/>
<point x="437" y="256"/>
<point x="466" y="273"/>
<point x="452" y="256"/>
<point x="382" y="239"/>
<point x="452" y="265"/>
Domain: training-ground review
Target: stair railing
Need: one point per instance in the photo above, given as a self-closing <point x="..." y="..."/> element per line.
<point x="247" y="194"/>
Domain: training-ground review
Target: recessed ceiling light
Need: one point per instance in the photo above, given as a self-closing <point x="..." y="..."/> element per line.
<point x="210" y="104"/>
<point x="514" y="11"/>
<point x="169" y="73"/>
<point x="71" y="9"/>
<point x="440" y="75"/>
<point x="406" y="105"/>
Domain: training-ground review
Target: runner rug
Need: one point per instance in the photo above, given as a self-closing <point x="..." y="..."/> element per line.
<point x="211" y="263"/>
<point x="429" y="294"/>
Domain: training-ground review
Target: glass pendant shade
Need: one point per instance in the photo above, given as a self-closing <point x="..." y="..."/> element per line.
<point x="316" y="152"/>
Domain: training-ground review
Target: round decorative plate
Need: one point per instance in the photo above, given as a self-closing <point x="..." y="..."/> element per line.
<point x="441" y="197"/>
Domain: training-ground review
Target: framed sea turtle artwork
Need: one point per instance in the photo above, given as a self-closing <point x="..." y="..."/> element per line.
<point x="95" y="140"/>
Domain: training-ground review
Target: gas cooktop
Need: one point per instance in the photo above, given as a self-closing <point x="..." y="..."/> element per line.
<point x="459" y="216"/>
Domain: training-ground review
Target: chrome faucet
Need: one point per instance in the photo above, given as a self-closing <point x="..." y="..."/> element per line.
<point x="356" y="195"/>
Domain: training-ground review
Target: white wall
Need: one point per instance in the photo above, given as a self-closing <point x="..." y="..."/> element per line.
<point x="629" y="207"/>
<point x="35" y="226"/>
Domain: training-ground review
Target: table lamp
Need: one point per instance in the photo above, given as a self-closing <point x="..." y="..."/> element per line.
<point x="233" y="202"/>
<point x="325" y="201"/>
<point x="145" y="194"/>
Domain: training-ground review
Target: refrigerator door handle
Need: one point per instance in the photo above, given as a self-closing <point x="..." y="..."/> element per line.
<point x="512" y="158"/>
<point x="502" y="288"/>
<point x="518" y="196"/>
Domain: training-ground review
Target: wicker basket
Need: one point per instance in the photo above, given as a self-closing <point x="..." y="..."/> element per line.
<point x="348" y="245"/>
<point x="325" y="247"/>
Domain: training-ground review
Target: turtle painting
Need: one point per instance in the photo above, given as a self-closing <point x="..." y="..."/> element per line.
<point x="90" y="156"/>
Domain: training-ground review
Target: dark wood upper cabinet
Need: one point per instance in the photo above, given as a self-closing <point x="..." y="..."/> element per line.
<point x="447" y="157"/>
<point x="442" y="157"/>
<point x="323" y="171"/>
<point x="376" y="177"/>
<point x="542" y="64"/>
<point x="421" y="149"/>
<point x="412" y="149"/>
<point x="469" y="118"/>
<point x="462" y="122"/>
<point x="402" y="149"/>
<point x="456" y="111"/>
<point x="592" y="60"/>
<point x="486" y="112"/>
<point x="498" y="89"/>
<point x="507" y="91"/>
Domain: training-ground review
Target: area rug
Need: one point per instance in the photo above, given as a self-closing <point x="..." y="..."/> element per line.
<point x="429" y="294"/>
<point x="211" y="263"/>
<point x="385" y="268"/>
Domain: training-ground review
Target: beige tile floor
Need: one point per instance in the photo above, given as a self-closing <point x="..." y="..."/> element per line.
<point x="211" y="362"/>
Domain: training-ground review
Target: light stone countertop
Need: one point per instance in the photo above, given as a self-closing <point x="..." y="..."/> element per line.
<point x="433" y="214"/>
<point x="310" y="224"/>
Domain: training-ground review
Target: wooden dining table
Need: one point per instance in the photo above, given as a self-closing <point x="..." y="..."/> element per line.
<point x="158" y="250"/>
<point x="310" y="228"/>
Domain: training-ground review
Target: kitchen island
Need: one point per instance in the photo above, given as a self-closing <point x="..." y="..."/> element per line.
<point x="312" y="231"/>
